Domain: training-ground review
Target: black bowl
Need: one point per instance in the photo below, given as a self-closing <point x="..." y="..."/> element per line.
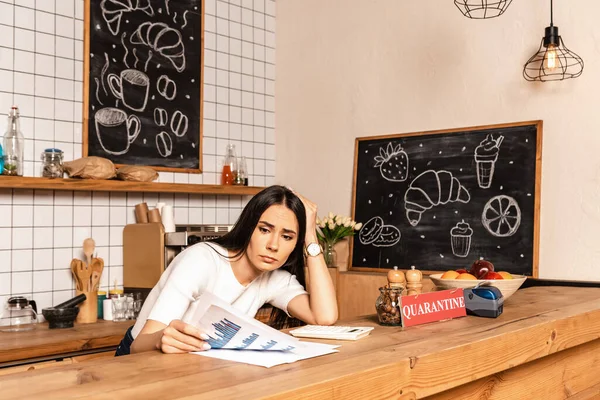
<point x="60" y="317"/>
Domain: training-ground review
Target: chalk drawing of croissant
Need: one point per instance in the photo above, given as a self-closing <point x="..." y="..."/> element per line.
<point x="430" y="189"/>
<point x="112" y="11"/>
<point x="162" y="39"/>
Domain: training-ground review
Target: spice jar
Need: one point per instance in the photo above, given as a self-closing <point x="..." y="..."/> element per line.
<point x="52" y="163"/>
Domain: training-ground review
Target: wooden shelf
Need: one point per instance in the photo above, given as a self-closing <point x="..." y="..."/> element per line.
<point x="17" y="182"/>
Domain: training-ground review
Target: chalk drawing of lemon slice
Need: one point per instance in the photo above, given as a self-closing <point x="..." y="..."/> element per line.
<point x="501" y="216"/>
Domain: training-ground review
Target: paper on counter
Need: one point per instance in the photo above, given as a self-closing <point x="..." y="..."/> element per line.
<point x="229" y="328"/>
<point x="234" y="336"/>
<point x="271" y="358"/>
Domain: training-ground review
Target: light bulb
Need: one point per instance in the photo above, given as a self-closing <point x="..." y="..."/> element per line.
<point x="551" y="57"/>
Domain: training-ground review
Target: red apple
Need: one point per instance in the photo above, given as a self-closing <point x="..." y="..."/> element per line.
<point x="493" y="275"/>
<point x="462" y="271"/>
<point x="480" y="268"/>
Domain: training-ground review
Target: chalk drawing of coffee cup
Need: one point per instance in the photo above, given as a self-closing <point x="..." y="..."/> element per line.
<point x="115" y="130"/>
<point x="132" y="87"/>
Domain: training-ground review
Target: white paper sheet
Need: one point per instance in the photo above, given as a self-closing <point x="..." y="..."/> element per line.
<point x="271" y="358"/>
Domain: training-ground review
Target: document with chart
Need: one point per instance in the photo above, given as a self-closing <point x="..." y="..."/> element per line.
<point x="228" y="328"/>
<point x="234" y="336"/>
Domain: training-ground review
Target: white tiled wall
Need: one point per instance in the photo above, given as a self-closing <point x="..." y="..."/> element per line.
<point x="41" y="71"/>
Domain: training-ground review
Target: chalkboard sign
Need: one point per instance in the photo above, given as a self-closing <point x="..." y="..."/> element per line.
<point x="143" y="82"/>
<point x="441" y="200"/>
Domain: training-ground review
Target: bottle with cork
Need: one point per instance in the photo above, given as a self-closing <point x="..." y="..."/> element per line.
<point x="388" y="302"/>
<point x="13" y="145"/>
<point x="414" y="281"/>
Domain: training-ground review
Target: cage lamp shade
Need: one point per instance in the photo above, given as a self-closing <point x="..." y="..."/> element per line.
<point x="482" y="9"/>
<point x="553" y="61"/>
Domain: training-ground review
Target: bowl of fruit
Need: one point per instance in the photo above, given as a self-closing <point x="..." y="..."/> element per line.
<point x="481" y="273"/>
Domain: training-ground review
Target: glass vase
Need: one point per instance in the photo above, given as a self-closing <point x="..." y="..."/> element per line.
<point x="330" y="255"/>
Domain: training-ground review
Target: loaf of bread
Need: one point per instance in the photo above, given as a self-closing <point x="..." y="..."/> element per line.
<point x="90" y="168"/>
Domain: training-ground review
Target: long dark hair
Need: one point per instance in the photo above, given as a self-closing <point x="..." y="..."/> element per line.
<point x="238" y="238"/>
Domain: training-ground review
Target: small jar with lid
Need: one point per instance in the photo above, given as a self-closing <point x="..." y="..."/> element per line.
<point x="52" y="163"/>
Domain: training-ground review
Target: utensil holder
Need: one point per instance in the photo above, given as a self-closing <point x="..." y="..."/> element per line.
<point x="88" y="310"/>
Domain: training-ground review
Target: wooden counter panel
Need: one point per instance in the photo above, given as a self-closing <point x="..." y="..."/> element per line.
<point x="390" y="363"/>
<point x="44" y="342"/>
<point x="567" y="374"/>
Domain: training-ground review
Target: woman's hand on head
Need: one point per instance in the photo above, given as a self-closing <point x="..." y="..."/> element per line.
<point x="179" y="337"/>
<point x="311" y="217"/>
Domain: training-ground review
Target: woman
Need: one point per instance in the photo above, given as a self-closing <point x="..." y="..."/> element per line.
<point x="260" y="261"/>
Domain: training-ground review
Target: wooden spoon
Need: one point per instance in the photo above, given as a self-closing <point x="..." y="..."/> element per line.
<point x="89" y="245"/>
<point x="95" y="281"/>
<point x="74" y="267"/>
<point x="84" y="274"/>
<point x="97" y="268"/>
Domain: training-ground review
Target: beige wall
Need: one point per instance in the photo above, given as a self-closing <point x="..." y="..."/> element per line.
<point x="351" y="68"/>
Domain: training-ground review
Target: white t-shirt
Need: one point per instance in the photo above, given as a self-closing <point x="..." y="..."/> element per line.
<point x="200" y="268"/>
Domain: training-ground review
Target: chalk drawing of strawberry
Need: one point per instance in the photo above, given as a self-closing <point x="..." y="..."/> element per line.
<point x="393" y="163"/>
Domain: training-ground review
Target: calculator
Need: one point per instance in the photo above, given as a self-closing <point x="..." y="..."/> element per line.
<point x="332" y="332"/>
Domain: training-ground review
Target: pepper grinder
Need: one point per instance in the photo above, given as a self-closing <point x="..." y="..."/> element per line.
<point x="396" y="279"/>
<point x="414" y="283"/>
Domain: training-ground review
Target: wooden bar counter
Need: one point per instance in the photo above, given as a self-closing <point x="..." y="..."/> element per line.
<point x="42" y="343"/>
<point x="546" y="345"/>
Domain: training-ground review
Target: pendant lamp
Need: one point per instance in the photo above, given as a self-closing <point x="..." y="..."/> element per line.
<point x="482" y="9"/>
<point x="553" y="61"/>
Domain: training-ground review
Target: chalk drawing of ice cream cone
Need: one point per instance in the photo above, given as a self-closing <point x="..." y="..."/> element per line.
<point x="486" y="155"/>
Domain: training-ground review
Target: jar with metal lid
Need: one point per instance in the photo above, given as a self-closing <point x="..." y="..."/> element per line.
<point x="52" y="163"/>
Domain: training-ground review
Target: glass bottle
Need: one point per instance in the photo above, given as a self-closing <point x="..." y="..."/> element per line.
<point x="229" y="166"/>
<point x="13" y="145"/>
<point x="52" y="163"/>
<point x="240" y="172"/>
<point x="243" y="170"/>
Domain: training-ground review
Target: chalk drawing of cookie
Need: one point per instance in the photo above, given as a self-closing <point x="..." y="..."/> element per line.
<point x="389" y="236"/>
<point x="370" y="230"/>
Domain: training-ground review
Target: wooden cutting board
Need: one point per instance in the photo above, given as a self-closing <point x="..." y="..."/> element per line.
<point x="143" y="254"/>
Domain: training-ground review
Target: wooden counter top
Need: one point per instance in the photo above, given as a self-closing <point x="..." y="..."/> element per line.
<point x="546" y="344"/>
<point x="42" y="342"/>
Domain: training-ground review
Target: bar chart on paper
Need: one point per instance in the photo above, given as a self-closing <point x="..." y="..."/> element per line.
<point x="232" y="332"/>
<point x="227" y="331"/>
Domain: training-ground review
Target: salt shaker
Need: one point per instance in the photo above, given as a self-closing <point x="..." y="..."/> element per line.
<point x="414" y="283"/>
<point x="396" y="278"/>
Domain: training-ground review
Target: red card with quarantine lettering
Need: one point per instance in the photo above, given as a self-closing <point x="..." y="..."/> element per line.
<point x="432" y="306"/>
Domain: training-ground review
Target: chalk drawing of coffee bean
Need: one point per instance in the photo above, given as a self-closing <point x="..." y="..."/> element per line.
<point x="160" y="116"/>
<point x="166" y="87"/>
<point x="164" y="144"/>
<point x="179" y="123"/>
